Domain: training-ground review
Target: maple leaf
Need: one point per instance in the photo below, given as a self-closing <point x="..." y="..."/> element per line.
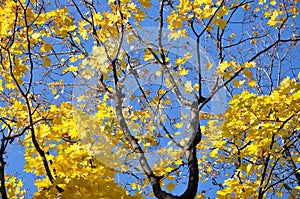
<point x="221" y="23"/>
<point x="188" y="87"/>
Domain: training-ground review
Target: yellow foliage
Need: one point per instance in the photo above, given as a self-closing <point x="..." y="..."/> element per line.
<point x="252" y="83"/>
<point x="140" y="16"/>
<point x="262" y="129"/>
<point x="145" y="3"/>
<point x="238" y="83"/>
<point x="74" y="137"/>
<point x="176" y="34"/>
<point x="221" y="23"/>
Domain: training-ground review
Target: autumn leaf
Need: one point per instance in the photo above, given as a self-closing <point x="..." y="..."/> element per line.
<point x="221" y="23"/>
<point x="253" y="41"/>
<point x="46" y="47"/>
<point x="183" y="71"/>
<point x="252" y="83"/>
<point x="188" y="87"/>
<point x="176" y="34"/>
<point x="47" y="61"/>
<point x="140" y="16"/>
<point x="238" y="83"/>
<point x="170" y="186"/>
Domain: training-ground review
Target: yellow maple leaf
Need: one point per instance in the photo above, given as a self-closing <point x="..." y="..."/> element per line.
<point x="42" y="183"/>
<point x="214" y="153"/>
<point x="222" y="194"/>
<point x="175" y="34"/>
<point x="262" y="1"/>
<point x="249" y="64"/>
<point x="169" y="169"/>
<point x="228" y="74"/>
<point x="222" y="67"/>
<point x="133" y="186"/>
<point x="148" y="56"/>
<point x="238" y="83"/>
<point x="273" y="2"/>
<point x="145" y="3"/>
<point x="73" y="59"/>
<point x="161" y="91"/>
<point x="222" y="12"/>
<point x="196" y="87"/>
<point x="178" y="125"/>
<point x="140" y="16"/>
<point x="296" y="95"/>
<point x="221" y="23"/>
<point x="188" y="87"/>
<point x="183" y="71"/>
<point x="178" y="162"/>
<point x="252" y="83"/>
<point x="1" y="86"/>
<point x="70" y="69"/>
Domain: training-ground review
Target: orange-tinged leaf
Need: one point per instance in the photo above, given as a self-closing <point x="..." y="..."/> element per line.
<point x="196" y="87"/>
<point x="247" y="73"/>
<point x="253" y="41"/>
<point x="252" y="83"/>
<point x="221" y="23"/>
<point x="228" y="74"/>
<point x="46" y="47"/>
<point x="238" y="83"/>
<point x="140" y="16"/>
<point x="170" y="186"/>
<point x="46" y="60"/>
<point x="209" y="65"/>
<point x="145" y="3"/>
<point x="161" y="91"/>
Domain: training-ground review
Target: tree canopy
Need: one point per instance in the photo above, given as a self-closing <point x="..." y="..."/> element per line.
<point x="150" y="99"/>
